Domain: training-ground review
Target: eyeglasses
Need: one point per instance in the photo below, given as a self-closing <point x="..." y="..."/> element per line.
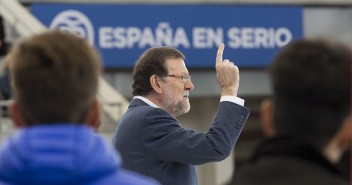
<point x="184" y="77"/>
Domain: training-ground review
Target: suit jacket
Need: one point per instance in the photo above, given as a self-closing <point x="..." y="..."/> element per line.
<point x="153" y="143"/>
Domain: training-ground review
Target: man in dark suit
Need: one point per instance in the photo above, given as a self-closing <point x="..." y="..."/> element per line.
<point x="149" y="137"/>
<point x="307" y="119"/>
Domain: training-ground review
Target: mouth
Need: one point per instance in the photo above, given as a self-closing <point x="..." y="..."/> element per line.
<point x="186" y="95"/>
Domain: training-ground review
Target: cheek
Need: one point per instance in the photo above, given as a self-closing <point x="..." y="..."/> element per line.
<point x="176" y="93"/>
<point x="180" y="93"/>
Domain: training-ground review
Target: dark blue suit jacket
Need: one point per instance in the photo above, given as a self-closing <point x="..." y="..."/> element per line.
<point x="153" y="143"/>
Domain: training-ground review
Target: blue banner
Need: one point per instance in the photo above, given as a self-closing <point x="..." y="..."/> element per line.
<point x="252" y="34"/>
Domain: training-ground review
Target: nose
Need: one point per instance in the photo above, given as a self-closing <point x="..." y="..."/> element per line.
<point x="189" y="85"/>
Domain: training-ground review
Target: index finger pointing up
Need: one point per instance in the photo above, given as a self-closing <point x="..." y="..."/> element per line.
<point x="219" y="54"/>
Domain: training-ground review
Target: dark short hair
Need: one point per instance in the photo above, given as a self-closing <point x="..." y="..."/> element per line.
<point x="152" y="62"/>
<point x="311" y="80"/>
<point x="54" y="77"/>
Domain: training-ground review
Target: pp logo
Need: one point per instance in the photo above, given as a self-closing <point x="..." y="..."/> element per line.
<point x="75" y="22"/>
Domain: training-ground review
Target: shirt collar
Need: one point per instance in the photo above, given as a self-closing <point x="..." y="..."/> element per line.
<point x="146" y="101"/>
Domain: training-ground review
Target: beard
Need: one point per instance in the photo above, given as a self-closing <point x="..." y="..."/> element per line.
<point x="176" y="108"/>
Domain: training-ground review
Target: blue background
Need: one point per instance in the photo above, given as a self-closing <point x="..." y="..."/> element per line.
<point x="188" y="17"/>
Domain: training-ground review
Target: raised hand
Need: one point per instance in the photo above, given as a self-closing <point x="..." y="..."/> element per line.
<point x="227" y="74"/>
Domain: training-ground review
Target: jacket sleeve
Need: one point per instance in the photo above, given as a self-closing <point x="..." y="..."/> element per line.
<point x="163" y="137"/>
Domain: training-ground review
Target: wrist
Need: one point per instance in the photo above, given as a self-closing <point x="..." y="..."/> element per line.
<point x="228" y="91"/>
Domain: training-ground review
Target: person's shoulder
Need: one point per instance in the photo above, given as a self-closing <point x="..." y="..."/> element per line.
<point x="143" y="116"/>
<point x="141" y="112"/>
<point x="146" y="110"/>
<point x="274" y="169"/>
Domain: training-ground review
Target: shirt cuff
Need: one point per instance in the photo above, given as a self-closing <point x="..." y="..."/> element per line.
<point x="233" y="99"/>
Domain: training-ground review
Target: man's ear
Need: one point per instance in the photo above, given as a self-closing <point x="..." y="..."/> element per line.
<point x="340" y="142"/>
<point x="266" y="117"/>
<point x="16" y="115"/>
<point x="344" y="136"/>
<point x="93" y="115"/>
<point x="155" y="83"/>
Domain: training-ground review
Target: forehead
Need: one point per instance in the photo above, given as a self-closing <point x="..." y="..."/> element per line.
<point x="176" y="66"/>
